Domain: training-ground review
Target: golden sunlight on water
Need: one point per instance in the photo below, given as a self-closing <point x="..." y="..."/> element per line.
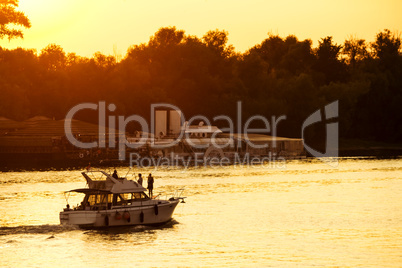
<point x="307" y="214"/>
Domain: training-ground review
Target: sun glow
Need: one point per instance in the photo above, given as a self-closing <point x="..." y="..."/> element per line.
<point x="88" y="26"/>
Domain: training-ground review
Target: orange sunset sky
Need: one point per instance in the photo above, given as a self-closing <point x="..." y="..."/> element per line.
<point x="88" y="26"/>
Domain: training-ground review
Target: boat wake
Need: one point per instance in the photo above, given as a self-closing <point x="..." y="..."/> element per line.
<point x="132" y="228"/>
<point x="58" y="228"/>
<point x="36" y="229"/>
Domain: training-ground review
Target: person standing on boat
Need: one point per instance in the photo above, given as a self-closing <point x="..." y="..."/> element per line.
<point x="115" y="174"/>
<point x="150" y="185"/>
<point x="140" y="179"/>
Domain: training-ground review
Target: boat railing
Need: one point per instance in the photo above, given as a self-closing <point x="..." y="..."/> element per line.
<point x="161" y="196"/>
<point x="176" y="194"/>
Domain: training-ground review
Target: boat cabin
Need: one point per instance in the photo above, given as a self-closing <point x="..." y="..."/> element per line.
<point x="100" y="200"/>
<point x="110" y="193"/>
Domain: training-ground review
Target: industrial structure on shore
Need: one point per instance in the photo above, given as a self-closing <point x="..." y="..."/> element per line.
<point x="42" y="141"/>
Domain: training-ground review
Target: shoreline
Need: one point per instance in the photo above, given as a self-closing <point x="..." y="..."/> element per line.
<point x="357" y="147"/>
<point x="28" y="164"/>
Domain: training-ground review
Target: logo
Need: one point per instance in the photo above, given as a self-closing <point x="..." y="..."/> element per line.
<point x="170" y="139"/>
<point x="330" y="156"/>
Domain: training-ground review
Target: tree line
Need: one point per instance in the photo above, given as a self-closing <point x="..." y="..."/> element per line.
<point x="279" y="76"/>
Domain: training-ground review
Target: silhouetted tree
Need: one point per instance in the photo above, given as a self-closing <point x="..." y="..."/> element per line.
<point x="271" y="51"/>
<point x="104" y="61"/>
<point x="355" y="49"/>
<point x="386" y="48"/>
<point x="217" y="41"/>
<point x="166" y="36"/>
<point x="386" y="44"/>
<point x="19" y="76"/>
<point x="299" y="57"/>
<point x="9" y="16"/>
<point x="328" y="62"/>
<point x="53" y="57"/>
<point x="279" y="76"/>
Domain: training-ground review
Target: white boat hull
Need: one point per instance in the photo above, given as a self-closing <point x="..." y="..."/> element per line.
<point x="123" y="216"/>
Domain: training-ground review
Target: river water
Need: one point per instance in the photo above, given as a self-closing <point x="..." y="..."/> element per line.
<point x="305" y="213"/>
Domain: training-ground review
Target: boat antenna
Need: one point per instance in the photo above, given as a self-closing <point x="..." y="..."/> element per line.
<point x="129" y="169"/>
<point x="92" y="173"/>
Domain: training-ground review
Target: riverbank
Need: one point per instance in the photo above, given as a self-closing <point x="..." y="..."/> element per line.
<point x="347" y="148"/>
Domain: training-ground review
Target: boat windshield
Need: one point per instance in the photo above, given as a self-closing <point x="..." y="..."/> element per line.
<point x="125" y="199"/>
<point x="132" y="197"/>
<point x="99" y="199"/>
<point x="94" y="201"/>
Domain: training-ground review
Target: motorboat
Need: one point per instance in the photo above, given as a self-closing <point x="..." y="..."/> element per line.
<point x="113" y="201"/>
